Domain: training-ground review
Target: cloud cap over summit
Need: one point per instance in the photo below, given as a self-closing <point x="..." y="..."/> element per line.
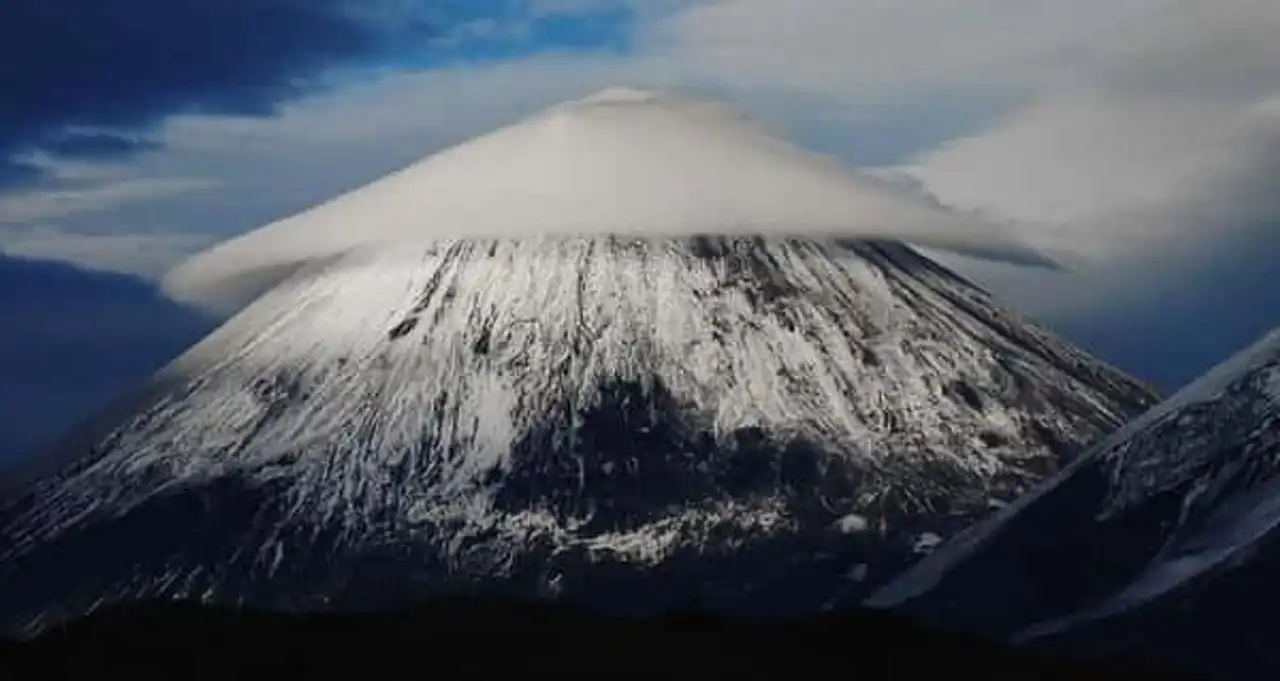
<point x="622" y="161"/>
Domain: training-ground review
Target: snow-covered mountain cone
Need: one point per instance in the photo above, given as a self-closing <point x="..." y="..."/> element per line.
<point x="1164" y="538"/>
<point x="737" y="422"/>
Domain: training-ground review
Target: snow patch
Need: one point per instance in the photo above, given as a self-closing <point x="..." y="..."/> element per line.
<point x="1272" y="385"/>
<point x="926" y="543"/>
<point x="852" y="524"/>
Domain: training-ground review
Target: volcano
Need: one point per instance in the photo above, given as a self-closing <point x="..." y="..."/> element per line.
<point x="701" y="368"/>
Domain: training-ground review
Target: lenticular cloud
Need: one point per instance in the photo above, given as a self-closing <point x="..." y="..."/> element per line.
<point x="625" y="162"/>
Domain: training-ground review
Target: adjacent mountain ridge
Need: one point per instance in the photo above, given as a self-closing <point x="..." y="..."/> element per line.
<point x="1162" y="538"/>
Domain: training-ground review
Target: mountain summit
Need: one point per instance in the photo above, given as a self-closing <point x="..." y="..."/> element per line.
<point x="631" y="422"/>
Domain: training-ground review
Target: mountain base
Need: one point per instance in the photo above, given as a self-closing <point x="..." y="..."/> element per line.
<point x="486" y="639"/>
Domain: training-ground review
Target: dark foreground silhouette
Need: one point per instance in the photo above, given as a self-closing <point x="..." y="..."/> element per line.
<point x="484" y="640"/>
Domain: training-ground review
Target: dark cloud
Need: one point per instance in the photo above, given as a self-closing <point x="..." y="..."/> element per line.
<point x="125" y="64"/>
<point x="17" y="173"/>
<point x="1216" y="308"/>
<point x="72" y="341"/>
<point x="98" y="144"/>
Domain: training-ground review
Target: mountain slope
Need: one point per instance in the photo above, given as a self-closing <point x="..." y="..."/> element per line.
<point x="162" y="640"/>
<point x="1159" y="539"/>
<point x="733" y="423"/>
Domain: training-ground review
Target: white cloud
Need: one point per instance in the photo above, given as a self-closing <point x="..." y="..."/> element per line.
<point x="620" y="162"/>
<point x="143" y="254"/>
<point x="1140" y="136"/>
<point x="1161" y="158"/>
<point x="1091" y="170"/>
<point x="867" y="50"/>
<point x="43" y="204"/>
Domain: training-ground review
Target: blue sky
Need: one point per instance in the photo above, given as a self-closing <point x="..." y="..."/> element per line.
<point x="500" y="31"/>
<point x="1136" y="140"/>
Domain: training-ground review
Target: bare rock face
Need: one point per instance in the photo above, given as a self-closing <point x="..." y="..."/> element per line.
<point x="745" y="424"/>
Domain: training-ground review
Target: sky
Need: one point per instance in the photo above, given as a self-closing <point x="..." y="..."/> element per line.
<point x="1135" y="141"/>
